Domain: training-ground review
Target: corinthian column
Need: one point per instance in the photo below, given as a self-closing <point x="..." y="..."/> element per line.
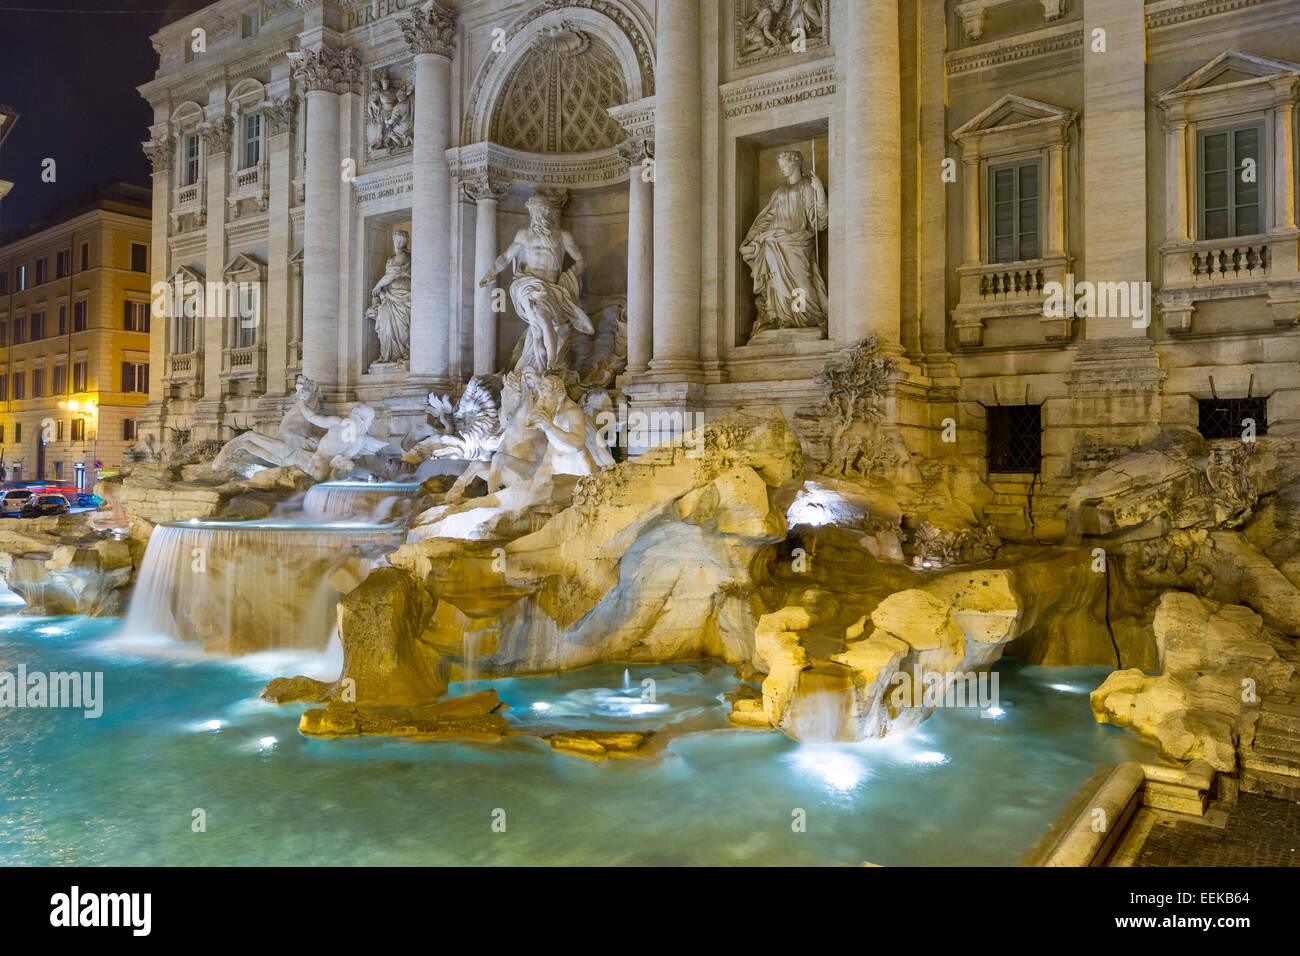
<point x="640" y="254"/>
<point x="677" y="248"/>
<point x="430" y="32"/>
<point x="486" y="193"/>
<point x="870" y="193"/>
<point x="323" y="74"/>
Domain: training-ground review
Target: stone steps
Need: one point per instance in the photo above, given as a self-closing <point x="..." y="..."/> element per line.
<point x="1271" y="764"/>
<point x="1281" y="786"/>
<point x="1276" y="741"/>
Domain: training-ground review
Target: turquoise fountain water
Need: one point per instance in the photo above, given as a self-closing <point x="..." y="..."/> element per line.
<point x="182" y="731"/>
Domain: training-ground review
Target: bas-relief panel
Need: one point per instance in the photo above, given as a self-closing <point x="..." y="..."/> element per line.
<point x="766" y="29"/>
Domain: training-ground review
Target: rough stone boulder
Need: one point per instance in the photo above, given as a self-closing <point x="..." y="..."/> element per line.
<point x="1179" y="480"/>
<point x="1224" y="566"/>
<point x="887" y="675"/>
<point x="651" y="562"/>
<point x="61" y="565"/>
<point x="158" y="495"/>
<point x="475" y="717"/>
<point x="1216" y="660"/>
<point x="385" y="659"/>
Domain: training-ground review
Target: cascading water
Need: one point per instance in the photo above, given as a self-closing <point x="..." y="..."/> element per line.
<point x="243" y="587"/>
<point x="376" y="500"/>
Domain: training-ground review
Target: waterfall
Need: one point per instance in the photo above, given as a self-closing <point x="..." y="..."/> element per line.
<point x="373" y="500"/>
<point x="820" y="711"/>
<point x="244" y="587"/>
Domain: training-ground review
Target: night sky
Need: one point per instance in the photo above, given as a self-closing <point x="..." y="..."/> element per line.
<point x="72" y="77"/>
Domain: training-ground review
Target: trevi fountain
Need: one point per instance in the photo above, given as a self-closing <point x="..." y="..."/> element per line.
<point x="659" y="620"/>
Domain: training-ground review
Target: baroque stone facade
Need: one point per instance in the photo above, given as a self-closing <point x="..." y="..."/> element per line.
<point x="301" y="156"/>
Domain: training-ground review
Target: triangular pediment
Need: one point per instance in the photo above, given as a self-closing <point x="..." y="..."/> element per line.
<point x="1229" y="67"/>
<point x="186" y="274"/>
<point x="243" y="262"/>
<point x="1012" y="110"/>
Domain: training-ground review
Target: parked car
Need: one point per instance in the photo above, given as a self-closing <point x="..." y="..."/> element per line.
<point x="14" y="500"/>
<point x="46" y="504"/>
<point x="86" y="499"/>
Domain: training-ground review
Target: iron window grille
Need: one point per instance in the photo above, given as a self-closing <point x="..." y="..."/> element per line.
<point x="1223" y="417"/>
<point x="1015" y="438"/>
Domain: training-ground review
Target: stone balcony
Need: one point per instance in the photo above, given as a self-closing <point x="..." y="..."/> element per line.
<point x="1002" y="290"/>
<point x="243" y="370"/>
<point x="1239" y="268"/>
<point x="186" y="201"/>
<point x="251" y="183"/>
<point x="184" y="374"/>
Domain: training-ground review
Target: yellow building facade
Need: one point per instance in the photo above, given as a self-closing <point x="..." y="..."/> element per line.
<point x="74" y="339"/>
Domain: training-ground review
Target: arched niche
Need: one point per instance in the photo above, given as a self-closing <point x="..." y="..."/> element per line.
<point x="605" y="21"/>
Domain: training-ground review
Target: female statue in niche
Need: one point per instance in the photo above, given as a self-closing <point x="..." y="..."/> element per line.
<point x="781" y="251"/>
<point x="390" y="303"/>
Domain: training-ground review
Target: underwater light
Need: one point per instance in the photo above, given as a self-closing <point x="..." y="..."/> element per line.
<point x="541" y="706"/>
<point x="930" y="757"/>
<point x="211" y="725"/>
<point x="1063" y="688"/>
<point x="837" y="769"/>
<point x="268" y="742"/>
<point x="993" y="712"/>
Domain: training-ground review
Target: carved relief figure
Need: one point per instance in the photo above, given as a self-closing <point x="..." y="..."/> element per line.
<point x="772" y="27"/>
<point x="390" y="303"/>
<point x="781" y="251"/>
<point x="760" y="30"/>
<point x="389" y="111"/>
<point x="545" y="295"/>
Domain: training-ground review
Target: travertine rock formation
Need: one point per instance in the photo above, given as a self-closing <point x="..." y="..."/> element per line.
<point x="1216" y="662"/>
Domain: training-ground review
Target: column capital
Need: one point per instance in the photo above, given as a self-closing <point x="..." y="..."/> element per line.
<point x="636" y="150"/>
<point x="483" y="186"/>
<point x="334" y="71"/>
<point x="281" y="115"/>
<point x="160" y="151"/>
<point x="431" y="29"/>
<point x="216" y="134"/>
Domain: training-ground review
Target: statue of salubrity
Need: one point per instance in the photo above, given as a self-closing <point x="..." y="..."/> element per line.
<point x="781" y="251"/>
<point x="390" y="303"/>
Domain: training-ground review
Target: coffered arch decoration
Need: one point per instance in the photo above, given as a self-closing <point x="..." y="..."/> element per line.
<point x="557" y="96"/>
<point x="567" y="62"/>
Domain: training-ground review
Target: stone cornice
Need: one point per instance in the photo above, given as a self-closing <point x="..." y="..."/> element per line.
<point x="1165" y="13"/>
<point x="637" y="119"/>
<point x="195" y="84"/>
<point x="430" y="30"/>
<point x="334" y="71"/>
<point x="601" y="168"/>
<point x="768" y="91"/>
<point x="1065" y="37"/>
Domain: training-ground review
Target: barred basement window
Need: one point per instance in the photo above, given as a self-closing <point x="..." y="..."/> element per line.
<point x="1223" y="417"/>
<point x="1015" y="438"/>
